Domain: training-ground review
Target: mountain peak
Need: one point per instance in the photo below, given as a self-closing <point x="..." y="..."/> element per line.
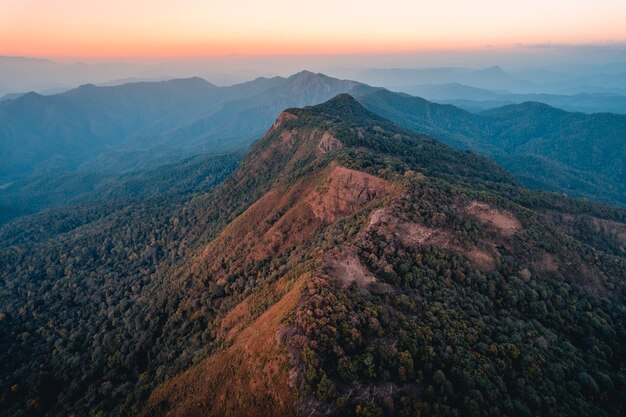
<point x="342" y="122"/>
<point x="342" y="106"/>
<point x="342" y="101"/>
<point x="304" y="74"/>
<point x="88" y="86"/>
<point x="355" y="223"/>
<point x="525" y="109"/>
<point x="191" y="81"/>
<point x="494" y="68"/>
<point x="29" y="98"/>
<point x="307" y="78"/>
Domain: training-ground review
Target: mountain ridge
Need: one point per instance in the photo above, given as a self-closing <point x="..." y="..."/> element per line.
<point x="347" y="266"/>
<point x="139" y="126"/>
<point x="541" y="145"/>
<point x="480" y="99"/>
<point x="311" y="291"/>
<point x="106" y="131"/>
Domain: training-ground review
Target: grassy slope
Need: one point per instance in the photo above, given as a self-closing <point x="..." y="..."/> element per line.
<point x="386" y="295"/>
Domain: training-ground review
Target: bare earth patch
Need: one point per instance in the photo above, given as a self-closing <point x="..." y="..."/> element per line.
<point x="547" y="263"/>
<point x="611" y="228"/>
<point x="281" y="120"/>
<point x="287" y="138"/>
<point x="412" y="234"/>
<point x="506" y="223"/>
<point x="328" y="143"/>
<point x="346" y="191"/>
<point x="344" y="264"/>
<point x="285" y="219"/>
<point x="482" y="259"/>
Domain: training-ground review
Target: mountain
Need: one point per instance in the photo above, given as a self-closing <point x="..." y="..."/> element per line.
<point x="252" y="107"/>
<point x="478" y="99"/>
<point x="191" y="174"/>
<point x="451" y="91"/>
<point x="57" y="148"/>
<point x="110" y="129"/>
<point x="349" y="266"/>
<point x="544" y="147"/>
<point x="571" y="79"/>
<point x="11" y="96"/>
<point x="58" y="133"/>
<point x="96" y="132"/>
<point x="491" y="78"/>
<point x="603" y="80"/>
<point x="36" y="74"/>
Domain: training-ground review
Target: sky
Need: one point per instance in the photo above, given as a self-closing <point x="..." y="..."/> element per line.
<point x="204" y="28"/>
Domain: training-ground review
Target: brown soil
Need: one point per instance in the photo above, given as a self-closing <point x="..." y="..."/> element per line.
<point x="281" y="120"/>
<point x="547" y="263"/>
<point x="482" y="260"/>
<point x="345" y="192"/>
<point x="410" y="233"/>
<point x="328" y="143"/>
<point x="341" y="192"/>
<point x="503" y="221"/>
<point x="249" y="378"/>
<point x="285" y="218"/>
<point x="611" y="228"/>
<point x="344" y="265"/>
<point x="242" y="314"/>
<point x="235" y="321"/>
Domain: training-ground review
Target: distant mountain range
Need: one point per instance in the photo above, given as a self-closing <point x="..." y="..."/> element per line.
<point x="23" y="74"/>
<point x="112" y="129"/>
<point x="609" y="79"/>
<point x="480" y="99"/>
<point x="91" y="133"/>
<point x="94" y="131"/>
<point x="45" y="76"/>
<point x="18" y="74"/>
<point x="544" y="147"/>
<point x="493" y="77"/>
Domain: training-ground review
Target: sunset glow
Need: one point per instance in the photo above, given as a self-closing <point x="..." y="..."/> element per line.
<point x="159" y="28"/>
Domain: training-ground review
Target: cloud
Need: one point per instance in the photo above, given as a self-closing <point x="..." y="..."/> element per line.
<point x="609" y="45"/>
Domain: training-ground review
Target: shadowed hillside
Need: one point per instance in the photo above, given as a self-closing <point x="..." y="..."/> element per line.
<point x="74" y="142"/>
<point x="545" y="148"/>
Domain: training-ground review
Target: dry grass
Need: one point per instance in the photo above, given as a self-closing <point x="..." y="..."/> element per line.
<point x="249" y="378"/>
<point x="344" y="264"/>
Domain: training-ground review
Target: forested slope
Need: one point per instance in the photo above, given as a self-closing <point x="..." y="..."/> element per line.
<point x="348" y="267"/>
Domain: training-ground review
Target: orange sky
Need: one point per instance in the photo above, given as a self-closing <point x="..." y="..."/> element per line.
<point x="162" y="28"/>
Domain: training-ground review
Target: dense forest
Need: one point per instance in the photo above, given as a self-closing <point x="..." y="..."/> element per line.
<point x="348" y="266"/>
<point x="546" y="148"/>
<point x="189" y="175"/>
<point x="436" y="336"/>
